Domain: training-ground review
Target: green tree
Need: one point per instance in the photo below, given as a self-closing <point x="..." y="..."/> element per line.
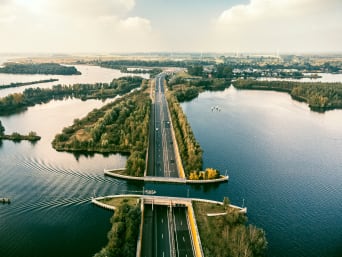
<point x="226" y="202"/>
<point x="32" y="134"/>
<point x="122" y="238"/>
<point x="2" y="129"/>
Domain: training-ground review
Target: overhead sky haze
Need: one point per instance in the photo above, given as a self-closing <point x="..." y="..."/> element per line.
<point x="102" y="26"/>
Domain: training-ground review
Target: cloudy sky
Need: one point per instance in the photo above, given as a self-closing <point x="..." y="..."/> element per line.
<point x="102" y="26"/>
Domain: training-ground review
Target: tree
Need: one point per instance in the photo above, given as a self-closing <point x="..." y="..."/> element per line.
<point x="124" y="233"/>
<point x="212" y="173"/>
<point x="32" y="134"/>
<point x="195" y="70"/>
<point x="2" y="129"/>
<point x="223" y="71"/>
<point x="226" y="202"/>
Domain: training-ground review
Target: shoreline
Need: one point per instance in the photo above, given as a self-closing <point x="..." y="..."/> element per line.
<point x="22" y="84"/>
<point x="112" y="173"/>
<point x="97" y="200"/>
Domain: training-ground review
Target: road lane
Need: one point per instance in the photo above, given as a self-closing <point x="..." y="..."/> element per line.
<point x="161" y="142"/>
<point x="184" y="244"/>
<point x="165" y="230"/>
<point x="156" y="232"/>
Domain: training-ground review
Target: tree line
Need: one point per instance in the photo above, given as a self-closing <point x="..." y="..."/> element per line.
<point x="121" y="126"/>
<point x="31" y="96"/>
<point x="218" y="77"/>
<point x="189" y="90"/>
<point x="208" y="173"/>
<point x="123" y="236"/>
<point x="189" y="148"/>
<point x="21" y="84"/>
<point x="15" y="136"/>
<point x="39" y="68"/>
<point x="118" y="64"/>
<point x="319" y="95"/>
<point x="153" y="72"/>
<point x="221" y="71"/>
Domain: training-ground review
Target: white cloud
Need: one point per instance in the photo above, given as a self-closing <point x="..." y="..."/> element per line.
<point x="136" y="23"/>
<point x="288" y="25"/>
<point x="73" y="26"/>
<point x="6" y="11"/>
<point x="92" y="8"/>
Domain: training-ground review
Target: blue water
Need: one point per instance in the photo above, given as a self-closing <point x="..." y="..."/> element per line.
<point x="284" y="163"/>
<point x="50" y="213"/>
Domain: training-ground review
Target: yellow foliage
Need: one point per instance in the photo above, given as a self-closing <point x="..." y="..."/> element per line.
<point x="212" y="173"/>
<point x="193" y="175"/>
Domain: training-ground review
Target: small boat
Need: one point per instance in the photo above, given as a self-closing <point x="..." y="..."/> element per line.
<point x="150" y="192"/>
<point x="5" y="200"/>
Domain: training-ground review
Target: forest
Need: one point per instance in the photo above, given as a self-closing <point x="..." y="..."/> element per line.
<point x="118" y="64"/>
<point x="118" y="127"/>
<point x="123" y="236"/>
<point x="189" y="90"/>
<point x="320" y="96"/>
<point x="39" y="68"/>
<point x="17" y="102"/>
<point x="187" y="86"/>
<point x="228" y="235"/>
<point x="153" y="72"/>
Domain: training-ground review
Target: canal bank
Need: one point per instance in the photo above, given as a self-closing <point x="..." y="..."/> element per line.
<point x="114" y="173"/>
<point x="107" y="202"/>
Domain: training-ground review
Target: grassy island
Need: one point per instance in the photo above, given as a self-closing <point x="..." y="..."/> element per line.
<point x="22" y="84"/>
<point x="224" y="231"/>
<point x="32" y="136"/>
<point x="118" y="127"/>
<point x="123" y="236"/>
<point x="39" y="68"/>
<point x="18" y="102"/>
<point x="320" y="96"/>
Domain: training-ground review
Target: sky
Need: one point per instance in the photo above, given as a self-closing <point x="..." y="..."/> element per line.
<point x="123" y="26"/>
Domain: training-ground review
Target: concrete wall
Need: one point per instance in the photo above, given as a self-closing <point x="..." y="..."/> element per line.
<point x="194" y="232"/>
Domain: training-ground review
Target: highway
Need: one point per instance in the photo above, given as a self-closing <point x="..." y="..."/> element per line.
<point x="156" y="232"/>
<point x="161" y="160"/>
<point x="183" y="239"/>
<point x="165" y="232"/>
<point x="165" y="228"/>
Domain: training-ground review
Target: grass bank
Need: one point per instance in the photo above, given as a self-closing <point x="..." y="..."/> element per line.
<point x="227" y="234"/>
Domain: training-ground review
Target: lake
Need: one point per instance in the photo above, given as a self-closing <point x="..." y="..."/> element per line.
<point x="90" y="74"/>
<point x="284" y="163"/>
<point x="51" y="213"/>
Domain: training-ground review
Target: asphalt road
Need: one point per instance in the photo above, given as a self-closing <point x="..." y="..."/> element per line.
<point x="151" y="146"/>
<point x="156" y="232"/>
<point x="165" y="230"/>
<point x="183" y="242"/>
<point x="161" y="143"/>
